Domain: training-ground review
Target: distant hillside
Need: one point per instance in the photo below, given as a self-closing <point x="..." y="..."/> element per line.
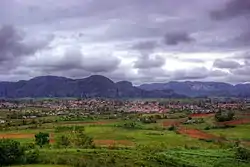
<point x="93" y="86"/>
<point x="198" y="89"/>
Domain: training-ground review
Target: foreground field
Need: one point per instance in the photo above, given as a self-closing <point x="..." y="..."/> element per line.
<point x="166" y="142"/>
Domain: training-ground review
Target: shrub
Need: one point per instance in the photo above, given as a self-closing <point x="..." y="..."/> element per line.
<point x="172" y="128"/>
<point x="148" y="120"/>
<point x="207" y="128"/>
<point x="242" y="153"/>
<point x="42" y="139"/>
<point x="224" y="116"/>
<point x="32" y="156"/>
<point x="28" y="146"/>
<point x="11" y="152"/>
<point x="131" y="125"/>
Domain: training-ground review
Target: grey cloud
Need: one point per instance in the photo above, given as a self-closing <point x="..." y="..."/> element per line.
<point x="238" y="13"/>
<point x="243" y="38"/>
<point x="233" y="8"/>
<point x="175" y="38"/>
<point x="243" y="71"/>
<point x="73" y="59"/>
<point x="14" y="47"/>
<point x="199" y="73"/>
<point x="145" y="45"/>
<point x="218" y="73"/>
<point x="226" y="64"/>
<point x="146" y="62"/>
<point x="11" y="44"/>
<point x="187" y="74"/>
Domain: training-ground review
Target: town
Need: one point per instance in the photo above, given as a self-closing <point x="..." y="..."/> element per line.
<point x="99" y="105"/>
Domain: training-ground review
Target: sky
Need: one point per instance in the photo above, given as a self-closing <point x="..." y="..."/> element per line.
<point x="142" y="41"/>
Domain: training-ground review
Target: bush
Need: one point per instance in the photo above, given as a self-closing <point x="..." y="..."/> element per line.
<point x="11" y="152"/>
<point x="242" y="153"/>
<point x="224" y="116"/>
<point x="28" y="146"/>
<point x="172" y="128"/>
<point x="32" y="156"/>
<point x="131" y="125"/>
<point x="148" y="120"/>
<point x="42" y="139"/>
<point x="207" y="128"/>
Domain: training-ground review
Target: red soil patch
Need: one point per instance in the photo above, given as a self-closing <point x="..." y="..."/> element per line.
<point x="201" y="115"/>
<point x="22" y="136"/>
<point x="194" y="133"/>
<point x="114" y="142"/>
<point x="235" y="122"/>
<point x="17" y="136"/>
<point x="52" y="140"/>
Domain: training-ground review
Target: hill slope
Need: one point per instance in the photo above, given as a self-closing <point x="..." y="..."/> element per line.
<point x="93" y="86"/>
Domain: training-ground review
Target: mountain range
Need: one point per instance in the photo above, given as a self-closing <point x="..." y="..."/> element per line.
<point x="202" y="89"/>
<point x="93" y="86"/>
<point x="100" y="86"/>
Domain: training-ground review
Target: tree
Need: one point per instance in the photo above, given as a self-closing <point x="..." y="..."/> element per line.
<point x="224" y="116"/>
<point x="42" y="139"/>
<point x="10" y="152"/>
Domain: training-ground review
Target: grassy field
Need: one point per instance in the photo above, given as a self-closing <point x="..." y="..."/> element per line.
<point x="104" y="132"/>
<point x="146" y="144"/>
<point x="241" y="132"/>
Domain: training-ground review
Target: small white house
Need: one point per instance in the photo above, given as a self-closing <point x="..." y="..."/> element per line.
<point x="2" y="121"/>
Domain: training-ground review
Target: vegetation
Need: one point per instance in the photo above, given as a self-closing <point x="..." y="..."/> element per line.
<point x="111" y="138"/>
<point x="224" y="116"/>
<point x="11" y="152"/>
<point x="42" y="139"/>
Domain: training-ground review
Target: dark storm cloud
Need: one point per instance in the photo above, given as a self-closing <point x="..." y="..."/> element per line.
<point x="13" y="46"/>
<point x="232" y="9"/>
<point x="226" y="64"/>
<point x="175" y="38"/>
<point x="239" y="12"/>
<point x="147" y="62"/>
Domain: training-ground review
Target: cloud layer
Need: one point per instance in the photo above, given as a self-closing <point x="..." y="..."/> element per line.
<point x="136" y="40"/>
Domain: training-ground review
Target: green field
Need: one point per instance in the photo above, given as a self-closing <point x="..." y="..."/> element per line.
<point x="143" y="144"/>
<point x="241" y="132"/>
